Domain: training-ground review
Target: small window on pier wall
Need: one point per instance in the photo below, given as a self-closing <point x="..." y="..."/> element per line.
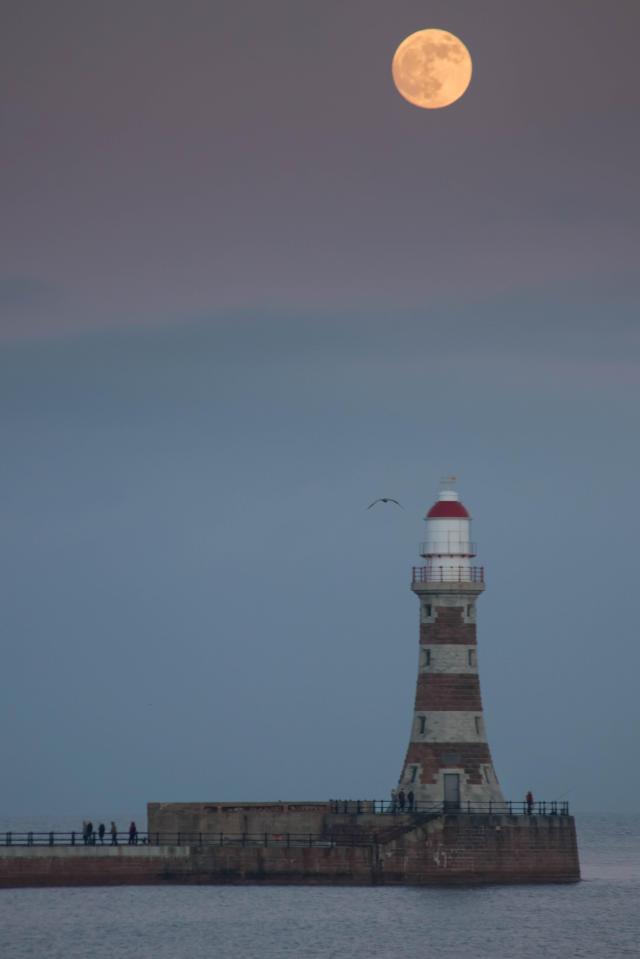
<point x="422" y="725"/>
<point x="471" y="657"/>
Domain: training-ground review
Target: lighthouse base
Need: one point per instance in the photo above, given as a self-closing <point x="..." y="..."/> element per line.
<point x="467" y="849"/>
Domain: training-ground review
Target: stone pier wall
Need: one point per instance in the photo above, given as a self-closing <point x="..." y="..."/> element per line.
<point x="483" y="849"/>
<point x="236" y="818"/>
<point x="444" y="851"/>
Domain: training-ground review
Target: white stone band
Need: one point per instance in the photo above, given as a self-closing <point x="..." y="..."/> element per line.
<point x="448" y="727"/>
<point x="441" y="658"/>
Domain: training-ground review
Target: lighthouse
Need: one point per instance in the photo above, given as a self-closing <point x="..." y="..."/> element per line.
<point x="449" y="823"/>
<point x="448" y="761"/>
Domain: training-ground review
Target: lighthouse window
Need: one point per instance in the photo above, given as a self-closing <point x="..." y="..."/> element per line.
<point x="427" y="610"/>
<point x="426" y="657"/>
<point x="422" y="723"/>
<point x="478" y="722"/>
<point x="412" y="772"/>
<point x="471" y="657"/>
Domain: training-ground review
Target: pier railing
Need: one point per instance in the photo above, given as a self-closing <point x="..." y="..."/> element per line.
<point x="553" y="807"/>
<point x="386" y="810"/>
<point x="182" y="839"/>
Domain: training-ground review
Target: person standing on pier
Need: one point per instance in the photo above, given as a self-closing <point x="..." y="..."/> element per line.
<point x="114" y="833"/>
<point x="529" y="801"/>
<point x="133" y="834"/>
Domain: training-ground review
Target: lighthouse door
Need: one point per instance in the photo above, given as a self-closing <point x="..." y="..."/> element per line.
<point x="451" y="792"/>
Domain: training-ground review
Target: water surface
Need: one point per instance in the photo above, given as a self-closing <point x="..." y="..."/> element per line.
<point x="597" y="918"/>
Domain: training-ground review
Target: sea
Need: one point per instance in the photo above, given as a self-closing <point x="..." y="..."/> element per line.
<point x="598" y="918"/>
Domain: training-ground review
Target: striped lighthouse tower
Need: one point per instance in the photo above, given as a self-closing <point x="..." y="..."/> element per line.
<point x="448" y="760"/>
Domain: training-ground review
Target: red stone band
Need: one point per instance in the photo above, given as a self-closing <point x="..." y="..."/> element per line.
<point x="449" y="692"/>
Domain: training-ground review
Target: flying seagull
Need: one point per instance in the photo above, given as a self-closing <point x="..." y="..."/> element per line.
<point x="385" y="499"/>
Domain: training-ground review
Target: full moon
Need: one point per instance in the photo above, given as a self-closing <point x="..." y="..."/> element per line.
<point x="431" y="68"/>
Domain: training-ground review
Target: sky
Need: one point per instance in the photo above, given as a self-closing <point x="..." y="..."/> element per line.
<point x="246" y="288"/>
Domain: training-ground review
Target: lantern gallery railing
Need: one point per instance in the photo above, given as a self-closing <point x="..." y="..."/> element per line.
<point x="448" y="574"/>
